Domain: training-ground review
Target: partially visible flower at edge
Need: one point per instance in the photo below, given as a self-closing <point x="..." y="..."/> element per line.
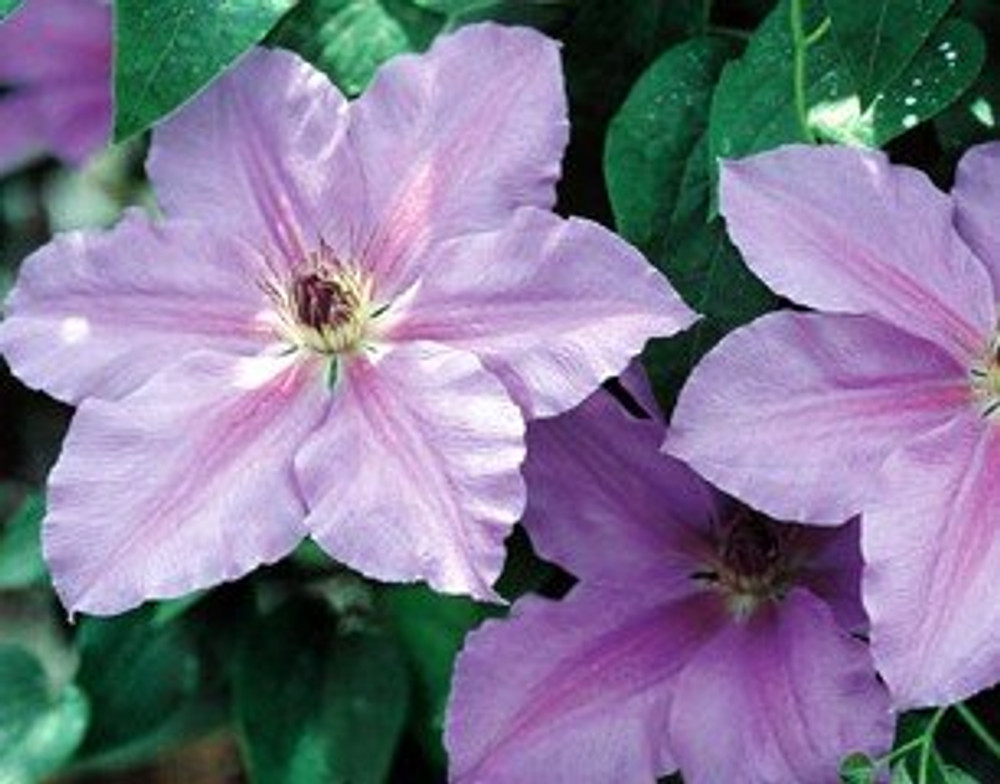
<point x="55" y="62"/>
<point x="338" y="331"/>
<point x="887" y="402"/>
<point x="701" y="636"/>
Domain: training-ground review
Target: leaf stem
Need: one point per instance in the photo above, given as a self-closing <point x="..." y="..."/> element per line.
<point x="800" y="43"/>
<point x="928" y="747"/>
<point x="979" y="729"/>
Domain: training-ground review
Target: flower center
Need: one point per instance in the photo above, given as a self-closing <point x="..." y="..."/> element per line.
<point x="752" y="563"/>
<point x="984" y="377"/>
<point x="325" y="306"/>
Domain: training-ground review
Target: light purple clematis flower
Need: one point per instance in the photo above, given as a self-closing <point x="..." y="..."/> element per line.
<point x="55" y="57"/>
<point x="886" y="403"/>
<point x="338" y="331"/>
<point x="701" y="635"/>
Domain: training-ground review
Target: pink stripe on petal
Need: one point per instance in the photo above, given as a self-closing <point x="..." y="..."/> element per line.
<point x="552" y="306"/>
<point x="415" y="474"/>
<point x="783" y="697"/>
<point x="932" y="549"/>
<point x="184" y="484"/>
<point x="97" y="313"/>
<point x="454" y="140"/>
<point x="573" y="691"/>
<point x="794" y="413"/>
<point x="843" y="230"/>
<point x="260" y="153"/>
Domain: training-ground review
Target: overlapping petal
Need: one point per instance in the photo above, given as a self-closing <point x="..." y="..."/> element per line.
<point x="261" y="154"/>
<point x="843" y="230"/>
<point x="976" y="195"/>
<point x="415" y="473"/>
<point x="96" y="314"/>
<point x="552" y="306"/>
<point x="183" y="484"/>
<point x="454" y="140"/>
<point x="606" y="505"/>
<point x="794" y="413"/>
<point x="783" y="697"/>
<point x="932" y="557"/>
<point x="575" y="691"/>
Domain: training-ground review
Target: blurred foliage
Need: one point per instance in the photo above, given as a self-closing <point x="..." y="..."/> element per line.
<point x="313" y="673"/>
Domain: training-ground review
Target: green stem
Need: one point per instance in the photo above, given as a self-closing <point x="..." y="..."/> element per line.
<point x="731" y="32"/>
<point x="979" y="729"/>
<point x="821" y="30"/>
<point x="799" y="45"/>
<point x="925" y="752"/>
<point x="900" y="751"/>
<point x="706" y="15"/>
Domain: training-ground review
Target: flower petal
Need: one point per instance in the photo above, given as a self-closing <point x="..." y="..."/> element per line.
<point x="976" y="195"/>
<point x="783" y="697"/>
<point x="183" y="484"/>
<point x="795" y="412"/>
<point x="415" y="474"/>
<point x="260" y="153"/>
<point x="932" y="555"/>
<point x="572" y="691"/>
<point x="604" y="503"/>
<point x="455" y="139"/>
<point x="97" y="313"/>
<point x="552" y="306"/>
<point x="843" y="230"/>
<point x="21" y="134"/>
<point x="49" y="41"/>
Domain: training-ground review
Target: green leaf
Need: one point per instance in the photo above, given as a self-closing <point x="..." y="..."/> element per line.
<point x="39" y="730"/>
<point x="167" y="51"/>
<point x="879" y="38"/>
<point x="139" y="674"/>
<point x="317" y="705"/>
<point x="657" y="170"/>
<point x="7" y="7"/>
<point x="754" y="105"/>
<point x="433" y="628"/>
<point x="350" y="39"/>
<point x="654" y="135"/>
<point x="21" y="561"/>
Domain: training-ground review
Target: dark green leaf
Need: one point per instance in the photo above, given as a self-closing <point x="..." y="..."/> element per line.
<point x="21" y="561"/>
<point x="754" y="105"/>
<point x="654" y="135"/>
<point x="39" y="731"/>
<point x="139" y="676"/>
<point x="433" y="629"/>
<point x="943" y="70"/>
<point x="879" y="38"/>
<point x="7" y="7"/>
<point x="167" y="51"/>
<point x="318" y="705"/>
<point x="656" y="165"/>
<point x="350" y="39"/>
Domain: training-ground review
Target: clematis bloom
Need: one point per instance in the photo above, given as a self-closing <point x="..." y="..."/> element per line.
<point x="55" y="59"/>
<point x="338" y="330"/>
<point x="701" y="635"/>
<point x="885" y="402"/>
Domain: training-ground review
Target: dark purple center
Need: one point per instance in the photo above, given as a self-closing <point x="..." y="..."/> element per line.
<point x="321" y="302"/>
